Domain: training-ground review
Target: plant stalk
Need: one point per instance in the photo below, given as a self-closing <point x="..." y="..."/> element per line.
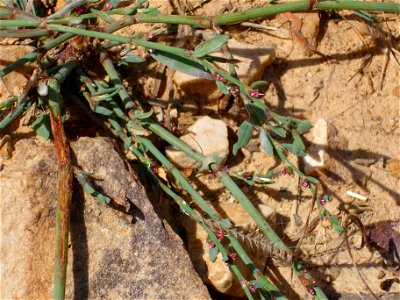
<point x="64" y="189"/>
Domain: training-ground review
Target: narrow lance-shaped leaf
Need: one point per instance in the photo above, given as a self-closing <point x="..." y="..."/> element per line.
<point x="258" y="84"/>
<point x="133" y="59"/>
<point x="295" y="149"/>
<point x="222" y="87"/>
<point x="277" y="130"/>
<point x="213" y="253"/>
<point x="266" y="143"/>
<point x="297" y="141"/>
<point x="42" y="126"/>
<point x="244" y="135"/>
<point x="211" y="45"/>
<point x="303" y="127"/>
<point x="182" y="64"/>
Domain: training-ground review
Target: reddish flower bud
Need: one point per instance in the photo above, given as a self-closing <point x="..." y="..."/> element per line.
<point x="232" y="256"/>
<point x="218" y="77"/>
<point x="248" y="175"/>
<point x="252" y="288"/>
<point x="311" y="291"/>
<point x="305" y="184"/>
<point x="107" y="7"/>
<point x="211" y="244"/>
<point x="255" y="93"/>
<point x="220" y="235"/>
<point x="234" y="90"/>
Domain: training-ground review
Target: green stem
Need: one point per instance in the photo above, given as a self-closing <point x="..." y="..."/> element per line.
<point x="262" y="12"/>
<point x="24" y="33"/>
<point x="246" y="15"/>
<point x="64" y="189"/>
<point x="256" y="273"/>
<point x="21" y="108"/>
<point x="114" y="78"/>
<point x="179" y="177"/>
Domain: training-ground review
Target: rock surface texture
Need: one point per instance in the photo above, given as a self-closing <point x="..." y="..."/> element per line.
<point x="113" y="254"/>
<point x="13" y="84"/>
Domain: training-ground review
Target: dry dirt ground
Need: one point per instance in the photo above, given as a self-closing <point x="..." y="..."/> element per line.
<point x="353" y="83"/>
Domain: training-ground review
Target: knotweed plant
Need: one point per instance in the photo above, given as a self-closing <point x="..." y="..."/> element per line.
<point x="67" y="43"/>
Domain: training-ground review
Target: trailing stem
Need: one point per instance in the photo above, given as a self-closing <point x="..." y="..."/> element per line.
<point x="64" y="189"/>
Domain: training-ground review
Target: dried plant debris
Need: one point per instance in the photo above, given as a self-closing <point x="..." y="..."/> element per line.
<point x="385" y="237"/>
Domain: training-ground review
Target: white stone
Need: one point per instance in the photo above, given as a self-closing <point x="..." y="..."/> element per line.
<point x="315" y="160"/>
<point x="252" y="61"/>
<point x="208" y="137"/>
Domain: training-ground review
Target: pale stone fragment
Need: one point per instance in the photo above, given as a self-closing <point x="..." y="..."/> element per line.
<point x="207" y="136"/>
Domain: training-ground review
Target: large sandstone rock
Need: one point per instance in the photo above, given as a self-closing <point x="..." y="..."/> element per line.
<point x="13" y="83"/>
<point x="114" y="254"/>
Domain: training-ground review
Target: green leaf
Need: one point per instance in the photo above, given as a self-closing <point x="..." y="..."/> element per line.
<point x="42" y="126"/>
<point x="150" y="11"/>
<point x="366" y="16"/>
<point x="88" y="189"/>
<point x="143" y="115"/>
<point x="105" y="17"/>
<point x="133" y="59"/>
<point x="114" y="3"/>
<point x="101" y="198"/>
<point x="244" y="135"/>
<point x="258" y="84"/>
<point x="103" y="111"/>
<point x="182" y="64"/>
<point x="226" y="223"/>
<point x="8" y="103"/>
<point x="257" y="110"/>
<point x="277" y="130"/>
<point x="213" y="253"/>
<point x="222" y="87"/>
<point x="266" y="143"/>
<point x="294" y="149"/>
<point x="312" y="180"/>
<point x="297" y="140"/>
<point x="303" y="127"/>
<point x="334" y="221"/>
<point x="211" y="45"/>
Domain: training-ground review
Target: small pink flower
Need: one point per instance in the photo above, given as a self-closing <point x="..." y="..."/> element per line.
<point x="322" y="201"/>
<point x="247" y="175"/>
<point x="252" y="288"/>
<point x="79" y="10"/>
<point x="232" y="256"/>
<point x="220" y="235"/>
<point x="255" y="93"/>
<point x="234" y="90"/>
<point x="211" y="244"/>
<point x="305" y="184"/>
<point x="218" y="77"/>
<point x="107" y="7"/>
<point x="153" y="167"/>
<point x="311" y="291"/>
